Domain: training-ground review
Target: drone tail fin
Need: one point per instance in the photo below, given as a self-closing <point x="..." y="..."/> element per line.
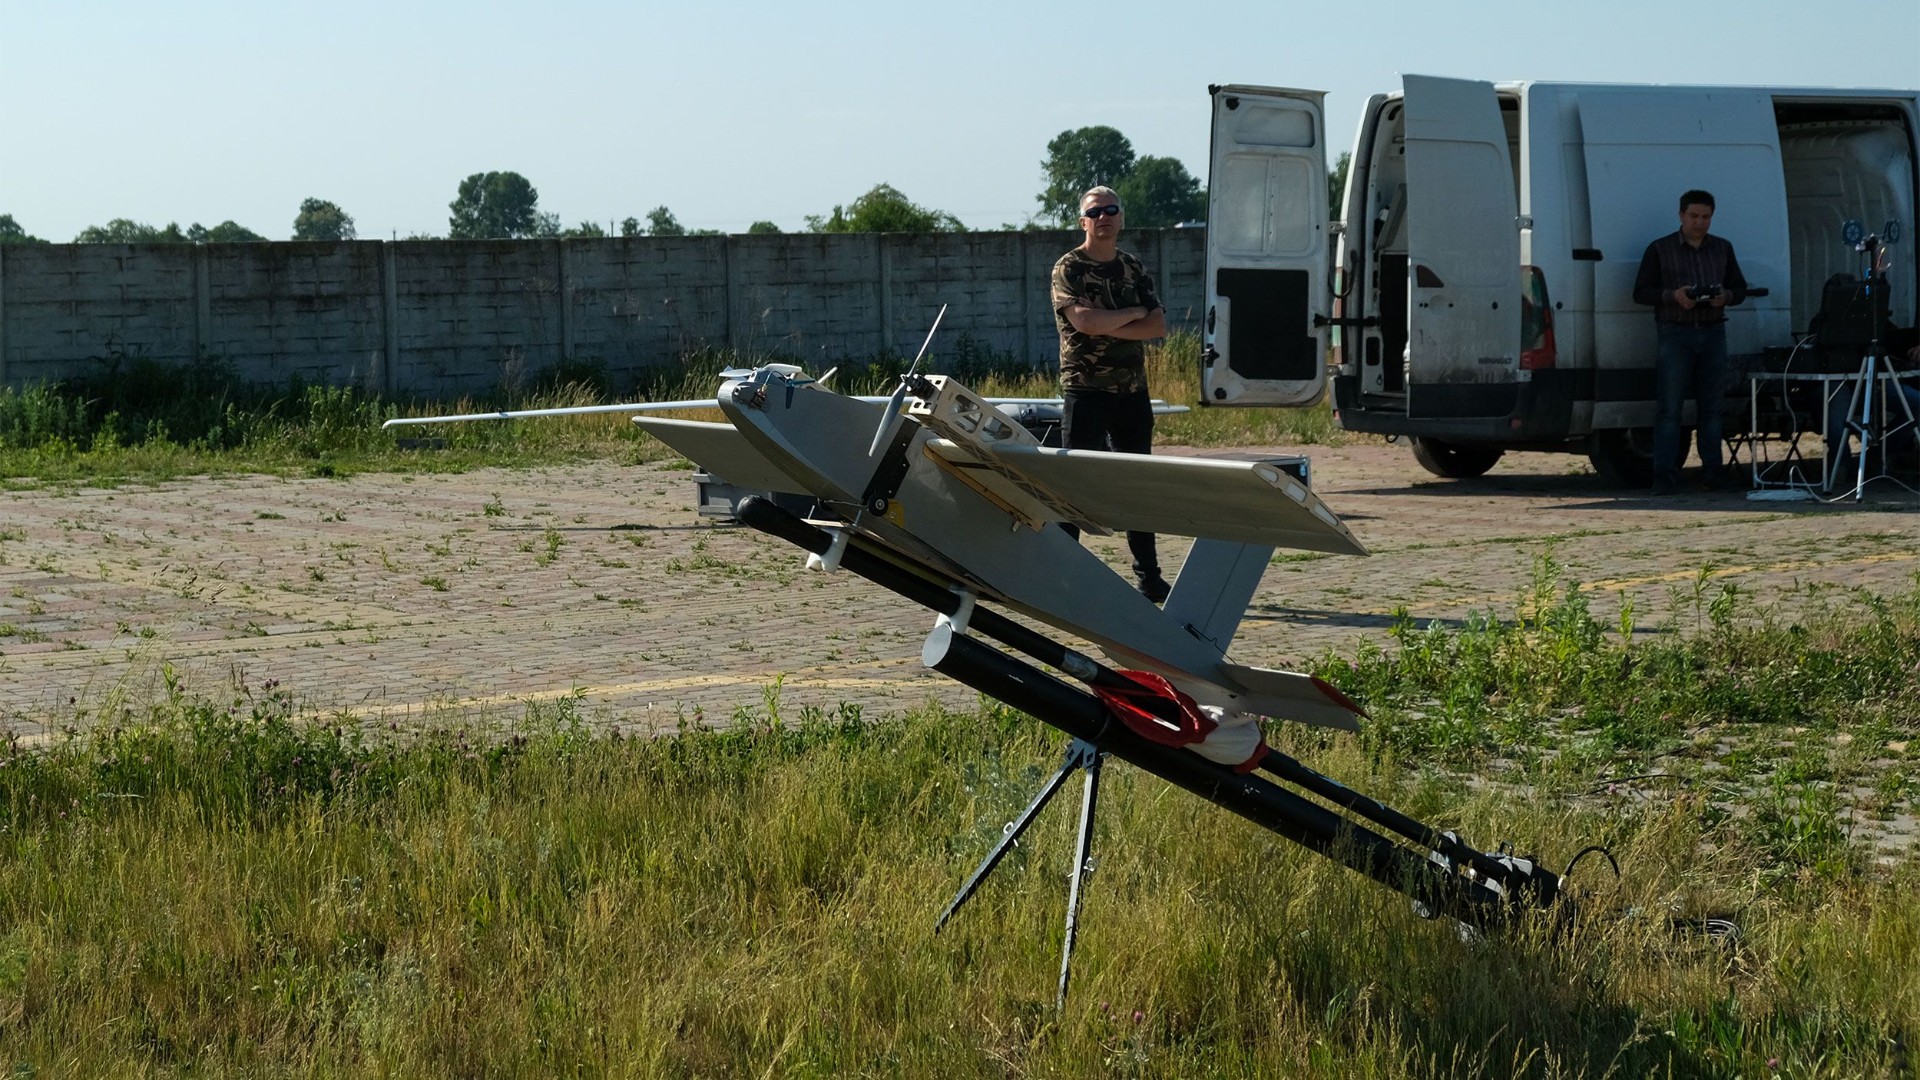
<point x="1214" y="587"/>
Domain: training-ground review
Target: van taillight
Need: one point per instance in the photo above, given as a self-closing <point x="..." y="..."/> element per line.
<point x="1538" y="350"/>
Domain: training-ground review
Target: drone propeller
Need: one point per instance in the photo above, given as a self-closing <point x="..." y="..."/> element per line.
<point x="890" y="419"/>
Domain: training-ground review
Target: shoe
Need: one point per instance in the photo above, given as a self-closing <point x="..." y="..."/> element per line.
<point x="1154" y="587"/>
<point x="1660" y="488"/>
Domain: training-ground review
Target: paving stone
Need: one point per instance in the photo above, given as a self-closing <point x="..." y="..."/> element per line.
<point x="389" y="595"/>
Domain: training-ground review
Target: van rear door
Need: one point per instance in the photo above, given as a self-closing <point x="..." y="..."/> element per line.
<point x="1267" y="256"/>
<point x="1463" y="252"/>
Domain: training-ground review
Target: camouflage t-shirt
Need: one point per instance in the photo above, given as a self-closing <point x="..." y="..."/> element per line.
<point x="1090" y="361"/>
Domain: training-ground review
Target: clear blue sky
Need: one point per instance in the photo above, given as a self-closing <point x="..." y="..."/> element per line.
<point x="729" y="112"/>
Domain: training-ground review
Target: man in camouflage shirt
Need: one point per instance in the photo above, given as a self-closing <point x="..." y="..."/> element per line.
<point x="1106" y="310"/>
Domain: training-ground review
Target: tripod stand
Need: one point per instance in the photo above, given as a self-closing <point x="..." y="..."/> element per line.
<point x="1861" y="419"/>
<point x="1081" y="756"/>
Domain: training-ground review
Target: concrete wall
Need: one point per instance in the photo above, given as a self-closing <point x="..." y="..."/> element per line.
<point x="441" y="318"/>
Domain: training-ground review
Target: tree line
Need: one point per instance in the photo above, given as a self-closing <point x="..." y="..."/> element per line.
<point x="1157" y="192"/>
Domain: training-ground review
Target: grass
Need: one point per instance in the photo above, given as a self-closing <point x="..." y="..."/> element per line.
<point x="226" y="885"/>
<point x="136" y="420"/>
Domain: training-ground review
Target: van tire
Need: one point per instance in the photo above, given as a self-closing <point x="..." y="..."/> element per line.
<point x="1455" y="461"/>
<point x="1624" y="456"/>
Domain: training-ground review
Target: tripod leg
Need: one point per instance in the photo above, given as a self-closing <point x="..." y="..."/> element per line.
<point x="1081" y="853"/>
<point x="1080" y="755"/>
<point x="1865" y="421"/>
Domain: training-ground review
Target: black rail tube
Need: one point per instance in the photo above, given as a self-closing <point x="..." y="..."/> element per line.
<point x="1339" y="794"/>
<point x="1309" y="824"/>
<point x="764" y="515"/>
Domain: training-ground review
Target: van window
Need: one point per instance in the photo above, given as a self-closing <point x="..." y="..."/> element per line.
<point x="1280" y="225"/>
<point x="1265" y="126"/>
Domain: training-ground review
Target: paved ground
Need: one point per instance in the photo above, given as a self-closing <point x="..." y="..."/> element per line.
<point x="416" y="593"/>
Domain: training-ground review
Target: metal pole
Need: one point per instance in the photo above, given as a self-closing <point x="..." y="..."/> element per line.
<point x="1082" y="852"/>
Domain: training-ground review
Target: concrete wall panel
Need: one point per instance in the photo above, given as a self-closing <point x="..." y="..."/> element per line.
<point x="445" y="318"/>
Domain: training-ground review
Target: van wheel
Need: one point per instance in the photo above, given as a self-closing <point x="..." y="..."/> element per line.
<point x="1624" y="456"/>
<point x="1455" y="461"/>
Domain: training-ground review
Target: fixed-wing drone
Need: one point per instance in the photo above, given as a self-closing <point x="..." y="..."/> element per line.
<point x="938" y="495"/>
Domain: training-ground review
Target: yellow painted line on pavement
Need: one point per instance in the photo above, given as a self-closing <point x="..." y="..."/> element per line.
<point x="1768" y="568"/>
<point x="802" y="679"/>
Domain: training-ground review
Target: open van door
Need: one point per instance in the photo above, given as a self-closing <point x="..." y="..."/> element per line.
<point x="1463" y="253"/>
<point x="1267" y="255"/>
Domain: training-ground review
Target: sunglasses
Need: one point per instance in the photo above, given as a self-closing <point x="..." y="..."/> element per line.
<point x="1101" y="211"/>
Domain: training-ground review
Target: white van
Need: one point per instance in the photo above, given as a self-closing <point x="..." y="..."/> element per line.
<point x="1476" y="293"/>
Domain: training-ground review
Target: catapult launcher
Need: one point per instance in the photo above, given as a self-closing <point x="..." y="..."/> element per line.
<point x="954" y="507"/>
<point x="937" y="495"/>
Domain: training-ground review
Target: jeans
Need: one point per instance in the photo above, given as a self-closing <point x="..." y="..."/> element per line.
<point x="1693" y="359"/>
<point x="1101" y="420"/>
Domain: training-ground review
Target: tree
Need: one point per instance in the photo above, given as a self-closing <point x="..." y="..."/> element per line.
<point x="631" y="227"/>
<point x="661" y="222"/>
<point x="494" y="206"/>
<point x="884" y="209"/>
<point x="590" y="230"/>
<point x="128" y="231"/>
<point x="321" y="220"/>
<point x="1337" y="184"/>
<point x="763" y="228"/>
<point x="1077" y="160"/>
<point x="224" y="233"/>
<point x="1158" y="193"/>
<point x="12" y="233"/>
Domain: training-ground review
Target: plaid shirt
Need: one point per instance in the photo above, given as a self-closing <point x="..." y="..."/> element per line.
<point x="1671" y="262"/>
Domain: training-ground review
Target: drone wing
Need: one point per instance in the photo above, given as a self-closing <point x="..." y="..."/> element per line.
<point x="571" y="410"/>
<point x="1250" y="502"/>
<point x="723" y="451"/>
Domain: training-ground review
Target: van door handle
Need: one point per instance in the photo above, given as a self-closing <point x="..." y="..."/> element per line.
<point x="1586" y="254"/>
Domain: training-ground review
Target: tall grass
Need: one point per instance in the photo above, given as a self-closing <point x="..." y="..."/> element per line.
<point x="136" y="419"/>
<point x="227" y="885"/>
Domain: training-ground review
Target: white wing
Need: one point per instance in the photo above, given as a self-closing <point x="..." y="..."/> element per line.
<point x="721" y="450"/>
<point x="1251" y="502"/>
<point x="571" y="410"/>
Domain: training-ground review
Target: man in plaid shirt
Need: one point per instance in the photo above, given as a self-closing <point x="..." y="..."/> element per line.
<point x="1689" y="278"/>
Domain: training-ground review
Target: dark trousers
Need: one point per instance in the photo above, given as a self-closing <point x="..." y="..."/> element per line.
<point x="1692" y="361"/>
<point x="1100" y="420"/>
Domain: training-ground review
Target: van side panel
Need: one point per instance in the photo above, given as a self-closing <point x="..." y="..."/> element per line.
<point x="1644" y="146"/>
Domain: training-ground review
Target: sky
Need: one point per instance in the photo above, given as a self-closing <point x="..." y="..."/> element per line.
<point x="734" y="111"/>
